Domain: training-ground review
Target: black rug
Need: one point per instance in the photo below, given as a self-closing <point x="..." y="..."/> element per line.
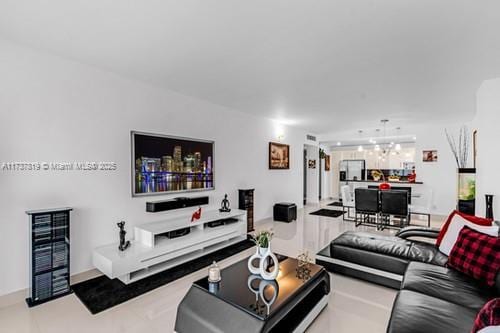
<point x="336" y="204"/>
<point x="101" y="293"/>
<point x="328" y="213"/>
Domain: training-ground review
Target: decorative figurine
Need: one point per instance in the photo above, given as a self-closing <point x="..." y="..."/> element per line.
<point x="225" y="205"/>
<point x="303" y="270"/>
<point x="196" y="215"/>
<point x="123" y="244"/>
<point x="412" y="177"/>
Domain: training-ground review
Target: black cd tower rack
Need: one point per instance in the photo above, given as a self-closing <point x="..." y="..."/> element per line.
<point x="49" y="254"/>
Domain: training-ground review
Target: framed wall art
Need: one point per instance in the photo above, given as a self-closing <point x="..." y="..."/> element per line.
<point x="429" y="156"/>
<point x="279" y="156"/>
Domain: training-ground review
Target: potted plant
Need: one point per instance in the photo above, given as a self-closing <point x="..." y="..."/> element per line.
<point x="263" y="240"/>
<point x="466" y="193"/>
<point x="322" y="154"/>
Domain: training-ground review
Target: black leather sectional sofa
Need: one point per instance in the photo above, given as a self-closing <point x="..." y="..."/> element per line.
<point x="432" y="298"/>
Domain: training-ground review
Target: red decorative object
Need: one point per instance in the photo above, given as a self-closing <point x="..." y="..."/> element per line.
<point x="196" y="215"/>
<point x="413" y="177"/>
<point x="384" y="186"/>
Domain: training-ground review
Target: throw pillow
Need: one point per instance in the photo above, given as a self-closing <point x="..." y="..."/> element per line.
<point x="488" y="317"/>
<point x="473" y="219"/>
<point x="454" y="228"/>
<point x="477" y="255"/>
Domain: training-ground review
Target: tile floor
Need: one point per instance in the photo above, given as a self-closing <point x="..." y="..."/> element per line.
<point x="354" y="306"/>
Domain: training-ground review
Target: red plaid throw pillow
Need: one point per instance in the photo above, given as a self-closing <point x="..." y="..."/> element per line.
<point x="477" y="255"/>
<point x="489" y="315"/>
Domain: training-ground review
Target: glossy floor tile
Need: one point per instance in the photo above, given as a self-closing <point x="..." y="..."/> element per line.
<point x="354" y="306"/>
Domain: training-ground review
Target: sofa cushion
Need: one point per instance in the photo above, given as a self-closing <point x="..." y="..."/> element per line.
<point x="387" y="253"/>
<point x="446" y="284"/>
<point x="418" y="313"/>
<point x="456" y="215"/>
<point x="477" y="255"/>
<point x="458" y="223"/>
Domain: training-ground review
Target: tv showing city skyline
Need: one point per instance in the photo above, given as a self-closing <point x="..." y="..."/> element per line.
<point x="164" y="164"/>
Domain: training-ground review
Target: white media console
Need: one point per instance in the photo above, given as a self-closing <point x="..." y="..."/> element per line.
<point x="152" y="251"/>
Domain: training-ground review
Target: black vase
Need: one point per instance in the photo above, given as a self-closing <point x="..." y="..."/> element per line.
<point x="489" y="206"/>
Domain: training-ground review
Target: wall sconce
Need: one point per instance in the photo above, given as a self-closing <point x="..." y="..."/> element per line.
<point x="279" y="131"/>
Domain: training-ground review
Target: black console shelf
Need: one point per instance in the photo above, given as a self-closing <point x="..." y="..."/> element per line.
<point x="49" y="255"/>
<point x="176" y="203"/>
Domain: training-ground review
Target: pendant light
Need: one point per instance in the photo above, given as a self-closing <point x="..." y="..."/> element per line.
<point x="398" y="145"/>
<point x="377" y="146"/>
<point x="385" y="148"/>
<point x="360" y="148"/>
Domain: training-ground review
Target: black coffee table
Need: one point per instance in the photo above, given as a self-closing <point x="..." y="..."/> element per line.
<point x="243" y="302"/>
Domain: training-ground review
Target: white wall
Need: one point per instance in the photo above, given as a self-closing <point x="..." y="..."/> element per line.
<point x="440" y="176"/>
<point x="57" y="110"/>
<point x="488" y="138"/>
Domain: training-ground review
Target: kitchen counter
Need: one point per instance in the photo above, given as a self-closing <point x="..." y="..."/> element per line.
<point x="381" y="181"/>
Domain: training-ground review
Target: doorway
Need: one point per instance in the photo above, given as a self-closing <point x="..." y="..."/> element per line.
<point x="320" y="175"/>
<point x="305" y="176"/>
<point x="311" y="174"/>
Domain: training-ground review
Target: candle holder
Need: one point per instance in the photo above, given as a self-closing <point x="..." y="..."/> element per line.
<point x="214" y="273"/>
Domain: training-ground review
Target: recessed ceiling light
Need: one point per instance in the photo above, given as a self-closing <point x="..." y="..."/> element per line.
<point x="360" y="148"/>
<point x="339" y="143"/>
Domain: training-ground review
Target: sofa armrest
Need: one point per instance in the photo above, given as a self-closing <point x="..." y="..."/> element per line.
<point x="416" y="231"/>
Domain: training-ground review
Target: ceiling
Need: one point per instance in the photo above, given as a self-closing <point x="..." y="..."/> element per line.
<point x="370" y="142"/>
<point x="324" y="65"/>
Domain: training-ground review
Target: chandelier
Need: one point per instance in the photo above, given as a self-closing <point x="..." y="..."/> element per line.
<point x="384" y="149"/>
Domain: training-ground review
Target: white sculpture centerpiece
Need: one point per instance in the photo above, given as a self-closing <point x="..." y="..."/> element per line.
<point x="263" y="253"/>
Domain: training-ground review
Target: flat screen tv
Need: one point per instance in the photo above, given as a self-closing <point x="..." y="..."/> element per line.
<point x="163" y="164"/>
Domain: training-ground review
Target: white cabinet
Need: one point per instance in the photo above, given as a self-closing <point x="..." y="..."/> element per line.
<point x="152" y="252"/>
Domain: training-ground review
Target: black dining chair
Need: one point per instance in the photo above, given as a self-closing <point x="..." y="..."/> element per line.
<point x="398" y="188"/>
<point x="366" y="202"/>
<point x="394" y="203"/>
